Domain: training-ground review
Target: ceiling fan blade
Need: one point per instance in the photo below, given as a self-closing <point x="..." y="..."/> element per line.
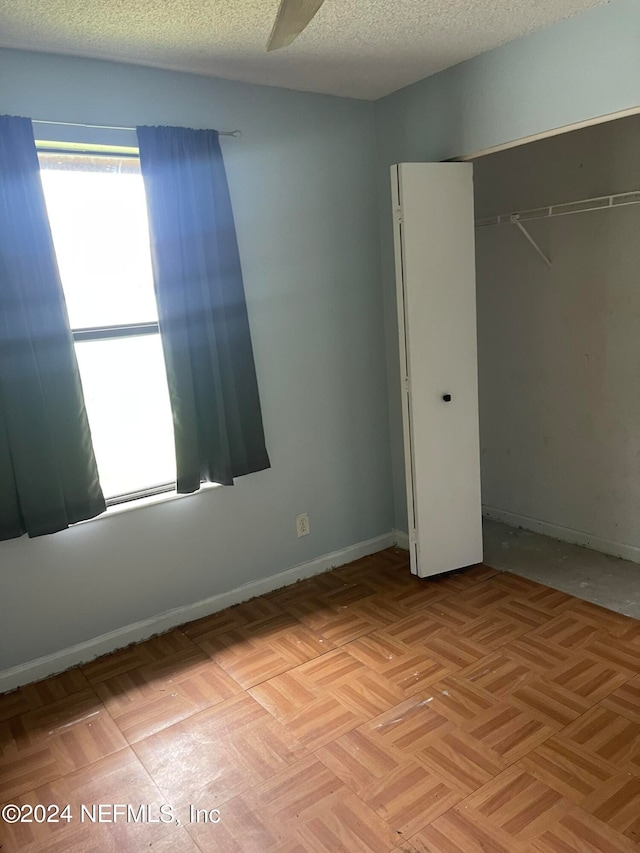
<point x="293" y="16"/>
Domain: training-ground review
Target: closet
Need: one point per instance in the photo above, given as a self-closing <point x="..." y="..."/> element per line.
<point x="559" y="335"/>
<point x="543" y="406"/>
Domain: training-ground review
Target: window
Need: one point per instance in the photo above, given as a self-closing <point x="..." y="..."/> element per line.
<point x="97" y="211"/>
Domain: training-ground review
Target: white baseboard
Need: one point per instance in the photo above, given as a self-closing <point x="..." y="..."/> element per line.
<point x="401" y="539"/>
<point x="564" y="534"/>
<point x="64" y="659"/>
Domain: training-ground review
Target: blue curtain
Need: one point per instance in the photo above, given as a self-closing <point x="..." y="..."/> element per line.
<point x="201" y="308"/>
<point x="48" y="473"/>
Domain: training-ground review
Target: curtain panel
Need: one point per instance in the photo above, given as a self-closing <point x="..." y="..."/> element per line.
<point x="201" y="308"/>
<point x="48" y="473"/>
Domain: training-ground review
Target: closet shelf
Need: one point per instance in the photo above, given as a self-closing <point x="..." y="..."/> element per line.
<point x="603" y="202"/>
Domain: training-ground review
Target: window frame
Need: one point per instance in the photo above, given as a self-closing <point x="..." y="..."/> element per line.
<point x="113" y="331"/>
<point x="126" y="330"/>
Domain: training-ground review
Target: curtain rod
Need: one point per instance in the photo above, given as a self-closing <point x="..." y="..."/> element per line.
<point x="235" y="133"/>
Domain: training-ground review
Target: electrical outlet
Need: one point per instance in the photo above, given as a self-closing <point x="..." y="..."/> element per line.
<point x="302" y="524"/>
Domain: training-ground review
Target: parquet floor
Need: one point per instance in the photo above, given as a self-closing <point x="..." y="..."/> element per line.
<point x="362" y="710"/>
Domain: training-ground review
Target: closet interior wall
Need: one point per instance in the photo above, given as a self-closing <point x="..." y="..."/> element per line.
<point x="559" y="346"/>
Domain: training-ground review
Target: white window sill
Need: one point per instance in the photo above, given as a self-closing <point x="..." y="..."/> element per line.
<point x="151" y="500"/>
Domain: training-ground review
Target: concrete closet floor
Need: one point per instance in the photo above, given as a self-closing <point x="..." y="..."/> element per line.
<point x="608" y="581"/>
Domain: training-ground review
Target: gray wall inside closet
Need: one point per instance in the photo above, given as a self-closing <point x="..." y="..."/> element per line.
<point x="559" y="348"/>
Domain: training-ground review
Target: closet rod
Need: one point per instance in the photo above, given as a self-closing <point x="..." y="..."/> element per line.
<point x="605" y="202"/>
<point x="234" y="133"/>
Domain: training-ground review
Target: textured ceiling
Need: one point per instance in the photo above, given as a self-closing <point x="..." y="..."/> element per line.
<point x="357" y="48"/>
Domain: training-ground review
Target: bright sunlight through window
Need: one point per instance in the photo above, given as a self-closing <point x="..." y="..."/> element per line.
<point x="96" y="207"/>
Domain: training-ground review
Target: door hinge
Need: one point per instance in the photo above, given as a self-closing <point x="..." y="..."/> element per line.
<point x="413" y="537"/>
<point x="398" y="214"/>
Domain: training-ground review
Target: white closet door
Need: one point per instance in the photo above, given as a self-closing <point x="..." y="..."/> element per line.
<point x="435" y="273"/>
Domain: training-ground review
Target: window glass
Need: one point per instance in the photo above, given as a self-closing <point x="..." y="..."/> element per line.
<point x="125" y="391"/>
<point x="98" y="217"/>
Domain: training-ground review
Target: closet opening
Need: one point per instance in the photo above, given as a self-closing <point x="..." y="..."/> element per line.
<point x="558" y="320"/>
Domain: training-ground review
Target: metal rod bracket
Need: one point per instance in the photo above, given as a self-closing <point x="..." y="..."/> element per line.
<point x="516" y="221"/>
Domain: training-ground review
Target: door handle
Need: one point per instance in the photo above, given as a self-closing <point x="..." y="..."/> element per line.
<point x="446" y="398"/>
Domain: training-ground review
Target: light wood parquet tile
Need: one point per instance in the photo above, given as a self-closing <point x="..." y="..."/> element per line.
<point x="218" y="753"/>
<point x="407" y="727"/>
<point x="410" y="798"/>
<point x="341" y="611"/>
<point x="633" y="764"/>
<point x="339" y="626"/>
<point x="628" y="633"/>
<point x="315" y="720"/>
<point x="580" y="832"/>
<point x="346" y="827"/>
<point x="615" y="652"/>
<point x="517" y="803"/>
<point x="606" y="734"/>
<point x="361" y="761"/>
<point x="41" y="693"/>
<point x="118" y="778"/>
<point x="257" y="652"/>
<point x="453" y="649"/>
<point x="353" y="592"/>
<point x="448" y="613"/>
<point x="483" y="597"/>
<point x="521" y="611"/>
<point x="368" y="694"/>
<point x="567" y="630"/>
<point x="327" y="697"/>
<point x="455" y="582"/>
<point x="506" y="732"/>
<point x="496" y="674"/>
<point x="534" y="653"/>
<point x="625" y="701"/>
<point x="359" y="710"/>
<point x="494" y="630"/>
<point x="54" y="740"/>
<point x="412" y="630"/>
<point x="617" y="803"/>
<point x="543" y="598"/>
<point x="587" y="677"/>
<point x="379" y="610"/>
<point x="383" y="570"/>
<point x="548" y="702"/>
<point x="144" y="700"/>
<point x="306" y="808"/>
<point x="251" y="612"/>
<point x="160" y="650"/>
<point x="418" y="597"/>
<point x="409" y="668"/>
<point x="566" y="767"/>
<point x="461" y="761"/>
<point x="518" y="586"/>
<point x="314" y="587"/>
<point x="458" y="832"/>
<point x="398" y="788"/>
<point x="385" y="574"/>
<point x="457" y="700"/>
<point x="610" y="622"/>
<point x="175" y="841"/>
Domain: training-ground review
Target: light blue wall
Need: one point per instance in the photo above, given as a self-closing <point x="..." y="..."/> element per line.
<point x="303" y="187"/>
<point x="575" y="71"/>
